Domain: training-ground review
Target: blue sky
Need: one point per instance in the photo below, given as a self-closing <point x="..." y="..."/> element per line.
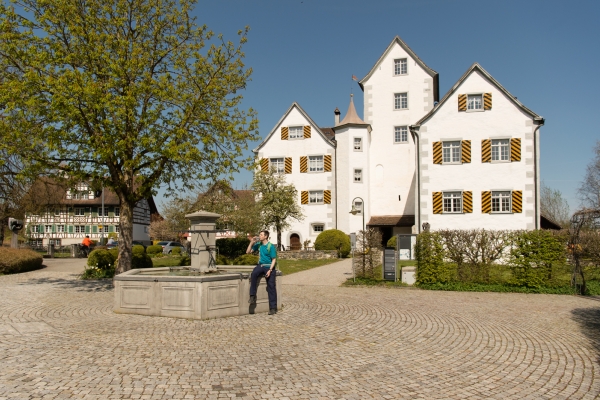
<point x="543" y="52"/>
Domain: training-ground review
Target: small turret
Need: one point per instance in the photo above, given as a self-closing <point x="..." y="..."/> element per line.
<point x="337" y="116"/>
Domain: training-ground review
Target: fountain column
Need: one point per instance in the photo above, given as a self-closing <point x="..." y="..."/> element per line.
<point x="203" y="235"/>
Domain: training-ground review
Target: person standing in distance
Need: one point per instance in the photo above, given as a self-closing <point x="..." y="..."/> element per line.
<point x="267" y="257"/>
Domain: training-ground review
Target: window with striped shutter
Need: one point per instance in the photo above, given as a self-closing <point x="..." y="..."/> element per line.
<point x="486" y="202"/>
<point x="437" y="203"/>
<point x="466" y="151"/>
<point x="467" y="198"/>
<point x="307" y="132"/>
<point x="264" y="165"/>
<point x="486" y="150"/>
<point x="285" y="133"/>
<point x="462" y="102"/>
<point x="515" y="149"/>
<point x="487" y="101"/>
<point x="437" y="152"/>
<point x="304" y="197"/>
<point x="517" y="201"/>
<point x="288" y="165"/>
<point x="327" y="196"/>
<point x="303" y="164"/>
<point x="327" y="163"/>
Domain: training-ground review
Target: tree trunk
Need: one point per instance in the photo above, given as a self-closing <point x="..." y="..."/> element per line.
<point x="279" y="245"/>
<point x="125" y="237"/>
<point x="3" y="225"/>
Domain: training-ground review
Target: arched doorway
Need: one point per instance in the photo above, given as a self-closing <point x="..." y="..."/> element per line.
<point x="295" y="242"/>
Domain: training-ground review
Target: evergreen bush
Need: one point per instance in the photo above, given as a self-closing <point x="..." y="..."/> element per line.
<point x="19" y="260"/>
<point x="141" y="260"/>
<point x="176" y="251"/>
<point x="154" y="249"/>
<point x="233" y="247"/>
<point x="333" y="239"/>
<point x="185" y="261"/>
<point x="391" y="242"/>
<point x="138" y="249"/>
<point x="246" y="259"/>
<point x="429" y="252"/>
<point x="101" y="258"/>
<point x="222" y="260"/>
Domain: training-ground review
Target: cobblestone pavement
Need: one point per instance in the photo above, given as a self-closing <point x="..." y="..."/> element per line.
<point x="60" y="339"/>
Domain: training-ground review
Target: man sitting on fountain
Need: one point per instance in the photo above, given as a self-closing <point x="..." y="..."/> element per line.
<point x="266" y="266"/>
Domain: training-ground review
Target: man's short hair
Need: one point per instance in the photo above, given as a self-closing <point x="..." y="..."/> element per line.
<point x="87" y="236"/>
<point x="266" y="233"/>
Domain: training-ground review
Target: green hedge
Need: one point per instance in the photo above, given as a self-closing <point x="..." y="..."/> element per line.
<point x="233" y="247"/>
<point x="154" y="249"/>
<point x="176" y="251"/>
<point x="102" y="259"/>
<point x="391" y="242"/>
<point x="429" y="252"/>
<point x="141" y="260"/>
<point x="333" y="239"/>
<point x="138" y="249"/>
<point x="19" y="260"/>
<point x="246" y="259"/>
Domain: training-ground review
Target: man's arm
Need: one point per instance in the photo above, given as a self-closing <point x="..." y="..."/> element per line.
<point x="249" y="249"/>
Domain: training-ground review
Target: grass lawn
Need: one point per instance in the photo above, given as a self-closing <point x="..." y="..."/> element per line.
<point x="290" y="266"/>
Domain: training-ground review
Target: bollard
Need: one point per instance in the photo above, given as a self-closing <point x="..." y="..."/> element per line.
<point x="51" y="250"/>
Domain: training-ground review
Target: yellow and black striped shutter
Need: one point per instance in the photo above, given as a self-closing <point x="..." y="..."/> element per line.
<point x="437" y="152"/>
<point x="486" y="202"/>
<point x="327" y="196"/>
<point x="437" y="203"/>
<point x="288" y="165"/>
<point x="327" y="163"/>
<point x="486" y="150"/>
<point x="487" y="101"/>
<point x="517" y="201"/>
<point x="264" y="165"/>
<point x="307" y="132"/>
<point x="515" y="149"/>
<point x="467" y="202"/>
<point x="304" y="197"/>
<point x="303" y="164"/>
<point x="462" y="102"/>
<point x="285" y="133"/>
<point x="466" y="151"/>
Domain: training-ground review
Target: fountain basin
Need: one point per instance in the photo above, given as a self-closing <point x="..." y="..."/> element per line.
<point x="216" y="294"/>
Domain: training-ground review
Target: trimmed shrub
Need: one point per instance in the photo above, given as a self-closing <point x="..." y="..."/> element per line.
<point x="533" y="257"/>
<point x="102" y="259"/>
<point x="141" y="260"/>
<point x="246" y="259"/>
<point x="19" y="260"/>
<point x="176" y="251"/>
<point x="233" y="247"/>
<point x="138" y="249"/>
<point x="154" y="249"/>
<point x="391" y="242"/>
<point x="185" y="261"/>
<point x="222" y="260"/>
<point x="429" y="252"/>
<point x="115" y="253"/>
<point x="333" y="239"/>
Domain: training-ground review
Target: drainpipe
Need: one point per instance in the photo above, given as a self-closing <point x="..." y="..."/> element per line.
<point x="414" y="130"/>
<point x="335" y="180"/>
<point x="536" y="173"/>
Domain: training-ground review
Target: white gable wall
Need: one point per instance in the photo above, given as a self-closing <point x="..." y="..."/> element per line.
<point x="295" y="148"/>
<point x="392" y="165"/>
<point x="504" y="120"/>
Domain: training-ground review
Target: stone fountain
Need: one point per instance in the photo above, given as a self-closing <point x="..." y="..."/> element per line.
<point x="203" y="290"/>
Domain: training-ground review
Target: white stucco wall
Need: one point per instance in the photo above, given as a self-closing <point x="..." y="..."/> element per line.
<point x="504" y="120"/>
<point x="393" y="165"/>
<point x="347" y="161"/>
<point x="274" y="147"/>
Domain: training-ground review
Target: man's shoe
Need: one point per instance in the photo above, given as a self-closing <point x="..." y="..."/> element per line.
<point x="272" y="311"/>
<point x="252" y="300"/>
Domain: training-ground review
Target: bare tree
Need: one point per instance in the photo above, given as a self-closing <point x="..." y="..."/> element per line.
<point x="589" y="191"/>
<point x="554" y="206"/>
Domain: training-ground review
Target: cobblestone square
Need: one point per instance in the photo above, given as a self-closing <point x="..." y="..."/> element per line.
<point x="60" y="339"/>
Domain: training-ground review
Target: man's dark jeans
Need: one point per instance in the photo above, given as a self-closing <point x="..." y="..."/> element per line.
<point x="257" y="273"/>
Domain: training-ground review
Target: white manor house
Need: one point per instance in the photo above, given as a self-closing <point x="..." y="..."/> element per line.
<point x="467" y="160"/>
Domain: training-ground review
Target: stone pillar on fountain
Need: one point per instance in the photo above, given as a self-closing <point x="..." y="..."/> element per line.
<point x="203" y="243"/>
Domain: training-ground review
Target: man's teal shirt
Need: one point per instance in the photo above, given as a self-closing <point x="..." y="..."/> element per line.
<point x="265" y="256"/>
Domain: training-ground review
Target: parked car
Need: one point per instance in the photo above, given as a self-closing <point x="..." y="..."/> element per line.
<point x="169" y="246"/>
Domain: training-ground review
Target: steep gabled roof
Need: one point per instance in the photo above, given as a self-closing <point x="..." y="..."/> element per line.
<point x="310" y="121"/>
<point x="401" y="43"/>
<point x="472" y="68"/>
<point x="351" y="117"/>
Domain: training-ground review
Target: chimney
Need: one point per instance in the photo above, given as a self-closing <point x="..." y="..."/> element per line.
<point x="337" y="116"/>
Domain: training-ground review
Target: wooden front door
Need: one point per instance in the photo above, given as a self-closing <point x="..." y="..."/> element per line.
<point x="295" y="242"/>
